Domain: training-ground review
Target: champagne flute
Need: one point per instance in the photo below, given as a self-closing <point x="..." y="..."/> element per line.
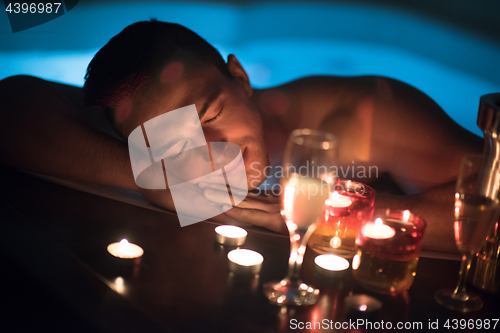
<point x="309" y="161"/>
<point x="476" y="210"/>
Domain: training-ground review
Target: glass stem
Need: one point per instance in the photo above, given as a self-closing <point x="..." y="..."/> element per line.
<point x="295" y="240"/>
<point x="298" y="245"/>
<point x="460" y="292"/>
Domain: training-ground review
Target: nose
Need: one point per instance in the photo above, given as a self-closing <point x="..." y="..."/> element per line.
<point x="223" y="153"/>
<point x="214" y="135"/>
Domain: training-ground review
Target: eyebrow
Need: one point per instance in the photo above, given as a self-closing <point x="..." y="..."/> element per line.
<point x="209" y="101"/>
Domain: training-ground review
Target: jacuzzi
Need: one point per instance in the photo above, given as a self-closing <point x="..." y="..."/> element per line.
<point x="278" y="42"/>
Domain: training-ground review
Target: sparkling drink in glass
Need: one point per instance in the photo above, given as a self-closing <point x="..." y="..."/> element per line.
<point x="477" y="207"/>
<point x="309" y="164"/>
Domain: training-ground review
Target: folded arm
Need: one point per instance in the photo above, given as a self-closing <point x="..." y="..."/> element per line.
<point x="42" y="130"/>
<point x="45" y="129"/>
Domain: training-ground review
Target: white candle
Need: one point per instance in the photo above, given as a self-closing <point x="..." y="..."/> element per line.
<point x="338" y="201"/>
<point x="125" y="250"/>
<point x="331" y="262"/>
<point x="377" y="230"/>
<point x="230" y="235"/>
<point x="337" y="204"/>
<point x="246" y="259"/>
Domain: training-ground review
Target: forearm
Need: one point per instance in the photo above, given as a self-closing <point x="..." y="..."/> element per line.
<point x="435" y="206"/>
<point x="40" y="131"/>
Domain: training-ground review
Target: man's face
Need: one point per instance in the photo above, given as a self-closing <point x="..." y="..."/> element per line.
<point x="226" y="112"/>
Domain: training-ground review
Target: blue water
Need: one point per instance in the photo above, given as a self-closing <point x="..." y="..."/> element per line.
<point x="280" y="42"/>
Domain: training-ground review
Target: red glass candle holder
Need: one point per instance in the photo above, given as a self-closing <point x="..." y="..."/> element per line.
<point x="349" y="204"/>
<point x="387" y="251"/>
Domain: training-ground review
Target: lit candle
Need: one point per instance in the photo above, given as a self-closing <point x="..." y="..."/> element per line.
<point x="340" y="201"/>
<point x="331" y="262"/>
<point x="125" y="250"/>
<point x="230" y="235"/>
<point x="378" y="230"/>
<point x="406" y="215"/>
<point x="245" y="260"/>
<point x="339" y="204"/>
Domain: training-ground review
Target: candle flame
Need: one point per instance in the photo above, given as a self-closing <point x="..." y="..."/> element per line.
<point x="335" y="196"/>
<point x="363" y="307"/>
<point x="406" y="215"/>
<point x="289" y="198"/>
<point x="124" y="247"/>
<point x="378" y="222"/>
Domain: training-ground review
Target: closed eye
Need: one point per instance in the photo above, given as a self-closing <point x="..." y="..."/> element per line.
<point x="175" y="150"/>
<point x="214" y="118"/>
<point x="181" y="151"/>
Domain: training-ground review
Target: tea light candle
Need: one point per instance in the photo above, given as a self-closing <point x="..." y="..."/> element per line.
<point x="377" y="230"/>
<point x="331" y="262"/>
<point x="230" y="235"/>
<point x="245" y="260"/>
<point x="340" y="201"/>
<point x="338" y="204"/>
<point x="125" y="250"/>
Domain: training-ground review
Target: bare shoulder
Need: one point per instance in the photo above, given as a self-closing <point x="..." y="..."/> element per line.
<point x="29" y="87"/>
<point x="65" y="98"/>
<point x="354" y="87"/>
<point x="311" y="100"/>
<point x="326" y="85"/>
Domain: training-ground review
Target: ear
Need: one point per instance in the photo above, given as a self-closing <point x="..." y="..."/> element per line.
<point x="239" y="73"/>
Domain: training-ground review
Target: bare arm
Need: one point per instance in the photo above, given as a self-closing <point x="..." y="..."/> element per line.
<point x="435" y="206"/>
<point x="41" y="130"/>
<point x="45" y="129"/>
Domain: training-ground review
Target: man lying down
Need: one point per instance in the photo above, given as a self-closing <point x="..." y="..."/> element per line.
<point x="153" y="68"/>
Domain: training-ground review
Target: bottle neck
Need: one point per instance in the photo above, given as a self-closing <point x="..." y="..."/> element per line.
<point x="490" y="173"/>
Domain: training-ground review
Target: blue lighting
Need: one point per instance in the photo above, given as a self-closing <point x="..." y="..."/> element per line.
<point x="279" y="42"/>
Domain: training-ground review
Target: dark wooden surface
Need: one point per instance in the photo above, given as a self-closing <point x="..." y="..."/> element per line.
<point x="59" y="276"/>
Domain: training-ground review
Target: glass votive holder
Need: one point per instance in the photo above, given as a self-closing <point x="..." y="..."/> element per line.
<point x="387" y="251"/>
<point x="349" y="204"/>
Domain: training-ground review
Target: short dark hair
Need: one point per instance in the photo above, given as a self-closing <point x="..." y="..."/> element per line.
<point x="124" y="63"/>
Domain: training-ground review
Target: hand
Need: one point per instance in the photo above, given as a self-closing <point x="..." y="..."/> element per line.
<point x="256" y="209"/>
<point x="189" y="204"/>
